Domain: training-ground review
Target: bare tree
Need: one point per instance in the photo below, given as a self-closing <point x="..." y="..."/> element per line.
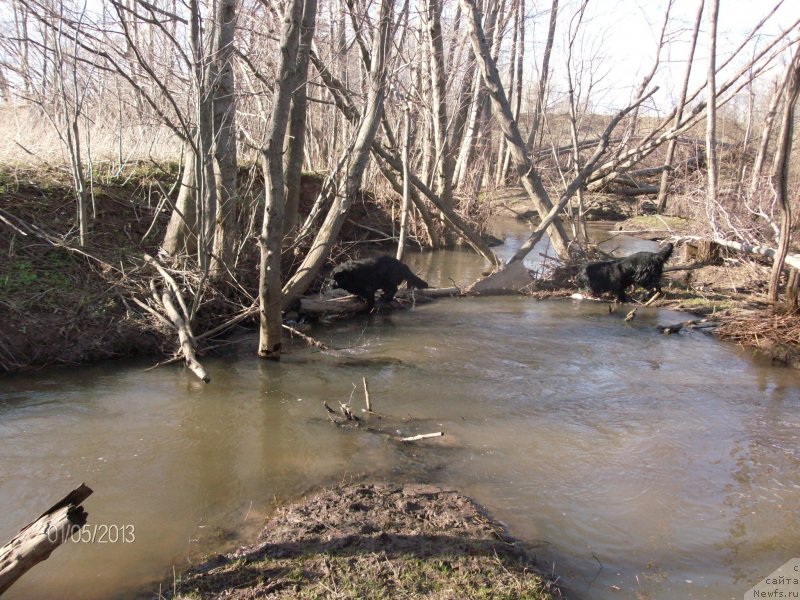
<point x="766" y="132"/>
<point x="711" y="112"/>
<point x="401" y="242"/>
<point x="296" y="134"/>
<point x="544" y="74"/>
<point x="368" y="127"/>
<point x="71" y="96"/>
<point x="444" y="160"/>
<point x="525" y="170"/>
<point x="782" y="172"/>
<point x="271" y="238"/>
<point x="224" y="127"/>
<point x="665" y="175"/>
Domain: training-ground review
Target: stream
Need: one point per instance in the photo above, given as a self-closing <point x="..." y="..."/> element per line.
<point x="641" y="465"/>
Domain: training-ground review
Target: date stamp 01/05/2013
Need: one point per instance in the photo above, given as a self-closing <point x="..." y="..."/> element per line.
<point x="94" y="534"/>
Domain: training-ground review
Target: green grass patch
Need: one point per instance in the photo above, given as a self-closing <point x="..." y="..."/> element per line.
<point x="43" y="281"/>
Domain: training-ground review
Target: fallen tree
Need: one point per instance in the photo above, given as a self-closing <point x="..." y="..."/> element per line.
<point x="793" y="260"/>
<point x="178" y="321"/>
<point x="37" y="540"/>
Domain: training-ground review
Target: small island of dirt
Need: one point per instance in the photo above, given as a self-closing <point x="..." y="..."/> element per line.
<point x="375" y="541"/>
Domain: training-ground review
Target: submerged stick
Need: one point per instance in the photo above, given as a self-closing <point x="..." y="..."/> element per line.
<point x="422" y="436"/>
<point x="366" y="395"/>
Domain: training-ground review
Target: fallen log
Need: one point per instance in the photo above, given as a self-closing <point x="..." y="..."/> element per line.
<point x="37" y="540"/>
<point x="793" y="260"/>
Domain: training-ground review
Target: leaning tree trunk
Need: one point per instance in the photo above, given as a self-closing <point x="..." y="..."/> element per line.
<point x="342" y="100"/>
<point x="576" y="183"/>
<point x="271" y="238"/>
<point x="758" y="163"/>
<point x="525" y="170"/>
<point x="368" y="127"/>
<point x="782" y="160"/>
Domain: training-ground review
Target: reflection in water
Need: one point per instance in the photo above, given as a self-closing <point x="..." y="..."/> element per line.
<point x="662" y="465"/>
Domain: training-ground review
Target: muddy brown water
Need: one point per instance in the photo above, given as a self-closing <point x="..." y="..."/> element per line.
<point x="640" y="463"/>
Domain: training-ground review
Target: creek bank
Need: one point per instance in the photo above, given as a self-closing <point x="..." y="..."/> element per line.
<point x="375" y="540"/>
<point x="63" y="306"/>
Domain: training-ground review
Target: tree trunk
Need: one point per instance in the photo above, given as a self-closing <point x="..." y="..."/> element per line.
<point x="294" y="147"/>
<point x="343" y="103"/>
<point x="477" y="101"/>
<point x="711" y="111"/>
<point x="444" y="162"/>
<point x="271" y="238"/>
<point x="224" y="107"/>
<point x="181" y="236"/>
<point x="665" y="175"/>
<point x="782" y="161"/>
<point x="543" y="76"/>
<point x="758" y="163"/>
<point x="406" y="185"/>
<point x="576" y="183"/>
<point x="368" y="127"/>
<point x="518" y="56"/>
<point x="203" y="143"/>
<point x="525" y="170"/>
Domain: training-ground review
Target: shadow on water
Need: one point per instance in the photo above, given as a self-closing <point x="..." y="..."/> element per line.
<point x="660" y="465"/>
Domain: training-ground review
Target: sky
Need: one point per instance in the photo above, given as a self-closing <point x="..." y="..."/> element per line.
<point x="622" y="37"/>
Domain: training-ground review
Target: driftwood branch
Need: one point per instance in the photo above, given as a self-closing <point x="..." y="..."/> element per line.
<point x="306" y="338"/>
<point x="37" y="540"/>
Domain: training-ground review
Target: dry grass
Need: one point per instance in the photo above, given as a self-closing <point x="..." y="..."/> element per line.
<point x="29" y="139"/>
<point x="375" y="541"/>
<point x="776" y="333"/>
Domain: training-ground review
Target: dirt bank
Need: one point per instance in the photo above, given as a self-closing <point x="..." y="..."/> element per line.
<point x="375" y="541"/>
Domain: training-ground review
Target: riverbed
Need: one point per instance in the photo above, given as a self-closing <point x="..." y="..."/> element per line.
<point x="638" y="463"/>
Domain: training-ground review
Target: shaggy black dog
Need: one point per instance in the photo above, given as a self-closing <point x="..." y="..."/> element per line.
<point x="366" y="276"/>
<point x="642" y="269"/>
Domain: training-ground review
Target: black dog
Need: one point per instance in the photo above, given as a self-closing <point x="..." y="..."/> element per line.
<point x="366" y="276"/>
<point x="640" y="269"/>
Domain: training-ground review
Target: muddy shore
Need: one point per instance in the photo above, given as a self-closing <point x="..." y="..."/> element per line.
<point x="373" y="540"/>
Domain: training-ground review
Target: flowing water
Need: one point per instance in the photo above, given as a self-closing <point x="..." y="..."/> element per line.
<point x="640" y="463"/>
